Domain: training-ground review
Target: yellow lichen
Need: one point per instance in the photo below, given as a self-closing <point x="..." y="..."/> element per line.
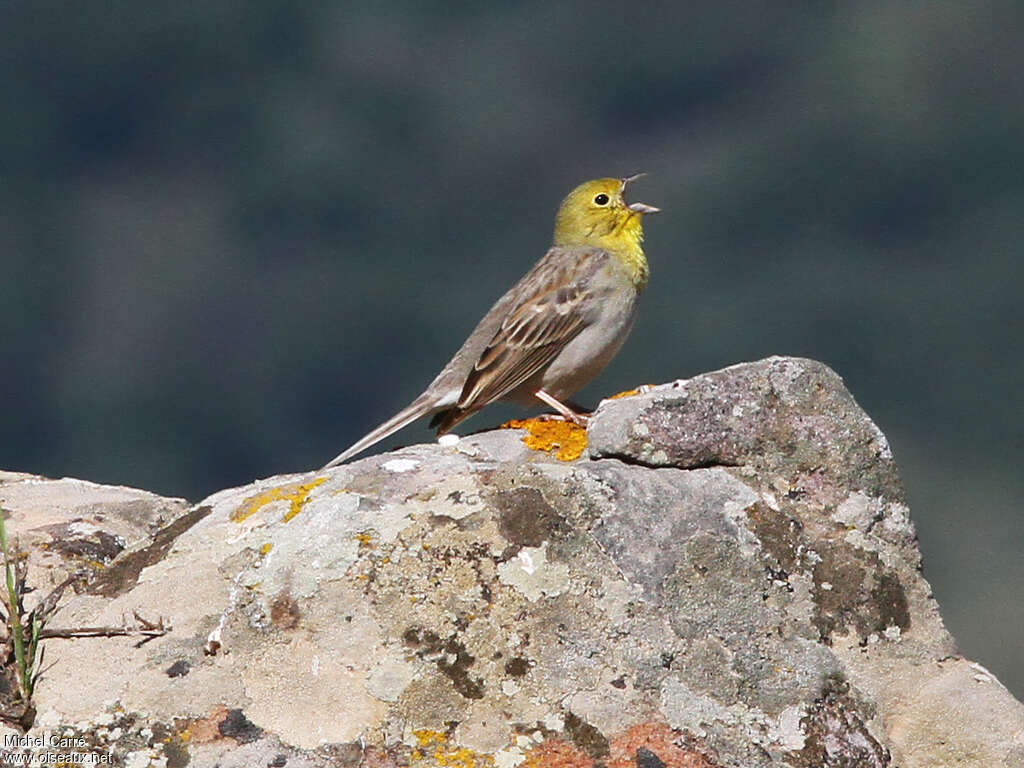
<point x="426" y="737"/>
<point x="433" y="746"/>
<point x="265" y="549"/>
<point x="296" y="494"/>
<point x="565" y="439"/>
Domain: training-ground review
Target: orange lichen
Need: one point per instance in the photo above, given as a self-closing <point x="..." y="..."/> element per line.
<point x="296" y="494"/>
<point x="657" y="738"/>
<point x="555" y="753"/>
<point x="566" y="439"/>
<point x="265" y="549"/>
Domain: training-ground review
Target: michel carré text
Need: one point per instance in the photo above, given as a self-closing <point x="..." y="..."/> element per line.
<point x="52" y="741"/>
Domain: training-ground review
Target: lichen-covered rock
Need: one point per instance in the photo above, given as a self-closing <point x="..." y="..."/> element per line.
<point x="781" y="414"/>
<point x="70" y="526"/>
<point x="730" y="579"/>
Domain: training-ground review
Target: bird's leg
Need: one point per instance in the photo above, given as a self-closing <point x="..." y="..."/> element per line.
<point x="566" y="412"/>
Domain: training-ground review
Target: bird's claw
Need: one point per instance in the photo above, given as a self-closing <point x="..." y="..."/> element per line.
<point x="579" y="419"/>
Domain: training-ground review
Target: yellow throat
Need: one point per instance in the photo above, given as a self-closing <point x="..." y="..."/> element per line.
<point x="596" y="214"/>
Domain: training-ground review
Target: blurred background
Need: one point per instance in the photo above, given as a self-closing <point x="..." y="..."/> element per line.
<point x="235" y="236"/>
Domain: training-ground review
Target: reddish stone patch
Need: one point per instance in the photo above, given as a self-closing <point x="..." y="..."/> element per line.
<point x="284" y="611"/>
<point x="555" y="753"/>
<point x="381" y="757"/>
<point x="653" y="743"/>
<point x="206" y="730"/>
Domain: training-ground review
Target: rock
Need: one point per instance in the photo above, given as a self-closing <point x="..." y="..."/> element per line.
<point x="69" y="526"/>
<point x="731" y="578"/>
<point x="781" y="414"/>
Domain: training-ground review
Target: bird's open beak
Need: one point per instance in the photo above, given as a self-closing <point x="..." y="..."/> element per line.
<point x="643" y="208"/>
<point x="638" y="207"/>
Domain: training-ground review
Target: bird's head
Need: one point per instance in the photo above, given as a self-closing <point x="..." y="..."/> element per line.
<point x="596" y="213"/>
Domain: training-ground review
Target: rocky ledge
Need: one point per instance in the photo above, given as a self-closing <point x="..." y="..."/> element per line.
<point x="727" y="576"/>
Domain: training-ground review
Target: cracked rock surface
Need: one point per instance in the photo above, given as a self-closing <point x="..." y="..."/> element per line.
<point x="730" y="578"/>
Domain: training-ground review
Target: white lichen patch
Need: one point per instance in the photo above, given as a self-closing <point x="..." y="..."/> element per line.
<point x="104" y="718"/>
<point x="484" y="731"/>
<point x="884" y="451"/>
<point x="47" y="719"/>
<point x="79" y="528"/>
<point x="339" y="684"/>
<point x="603" y="705"/>
<point x="255" y="522"/>
<point x="735" y="510"/>
<point x="323" y="553"/>
<point x="616" y="595"/>
<point x="400" y="465"/>
<point x="526" y="561"/>
<point x="447" y="441"/>
<point x="455" y="497"/>
<point x="981" y="675"/>
<point x="532" y="574"/>
<point x="144" y="758"/>
<point x="389" y="677"/>
<point x="554" y="721"/>
<point x="858" y="511"/>
<point x="897" y="521"/>
<point x="509" y="758"/>
<point x="786" y="731"/>
<point x="688" y="710"/>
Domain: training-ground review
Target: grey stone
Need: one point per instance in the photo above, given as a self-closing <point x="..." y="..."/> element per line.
<point x="777" y="414"/>
<point x="731" y="579"/>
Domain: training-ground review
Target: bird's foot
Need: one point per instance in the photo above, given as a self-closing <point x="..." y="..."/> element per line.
<point x="565" y="413"/>
<point x="579" y="419"/>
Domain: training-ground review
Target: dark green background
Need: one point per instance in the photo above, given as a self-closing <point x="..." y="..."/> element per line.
<point x="234" y="236"/>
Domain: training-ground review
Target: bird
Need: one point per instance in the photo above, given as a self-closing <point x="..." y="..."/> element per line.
<point x="555" y="329"/>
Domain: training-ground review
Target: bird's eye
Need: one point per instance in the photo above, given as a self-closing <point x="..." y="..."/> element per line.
<point x="601" y="199"/>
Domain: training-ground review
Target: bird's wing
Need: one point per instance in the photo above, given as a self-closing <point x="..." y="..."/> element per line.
<point x="547" y="316"/>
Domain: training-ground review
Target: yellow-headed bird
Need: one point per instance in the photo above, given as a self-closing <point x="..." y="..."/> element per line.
<point x="556" y="328"/>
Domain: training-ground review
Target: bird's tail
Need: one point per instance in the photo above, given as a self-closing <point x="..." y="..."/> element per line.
<point x="421" y="406"/>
